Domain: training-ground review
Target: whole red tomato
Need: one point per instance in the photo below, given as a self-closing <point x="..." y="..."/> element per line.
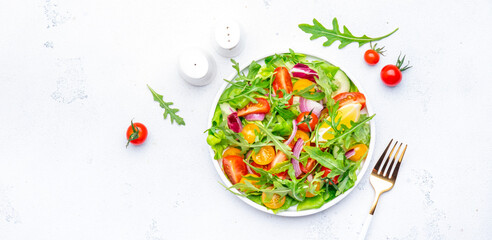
<point x="371" y="56"/>
<point x="391" y="74"/>
<point x="307" y="117"/>
<point x="136" y="133"/>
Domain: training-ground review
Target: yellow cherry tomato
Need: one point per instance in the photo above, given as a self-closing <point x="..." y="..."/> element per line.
<point x="275" y="202"/>
<point x="232" y="151"/>
<point x="302" y="84"/>
<point x="303" y="135"/>
<point x="251" y="181"/>
<point x="318" y="187"/>
<point x="249" y="132"/>
<point x="264" y="156"/>
<point x="360" y="152"/>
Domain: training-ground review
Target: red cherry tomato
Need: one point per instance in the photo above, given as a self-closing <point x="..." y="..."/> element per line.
<point x="350" y="97"/>
<point x="313" y="120"/>
<point x="328" y="171"/>
<point x="262" y="106"/>
<point x="282" y="80"/>
<point x="234" y="168"/>
<point x="136" y="133"/>
<point x="371" y="57"/>
<point x="391" y="75"/>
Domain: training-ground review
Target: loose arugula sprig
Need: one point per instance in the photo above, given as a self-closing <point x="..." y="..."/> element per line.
<point x="346" y="37"/>
<point x="167" y="108"/>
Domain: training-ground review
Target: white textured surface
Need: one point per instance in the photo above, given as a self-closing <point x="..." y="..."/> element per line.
<point x="73" y="75"/>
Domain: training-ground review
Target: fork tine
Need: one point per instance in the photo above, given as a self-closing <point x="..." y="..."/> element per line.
<point x="395" y="172"/>
<point x="390" y="167"/>
<point x="378" y="164"/>
<point x="381" y="170"/>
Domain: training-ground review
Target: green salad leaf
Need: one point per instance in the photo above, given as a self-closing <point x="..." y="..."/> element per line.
<point x="346" y="37"/>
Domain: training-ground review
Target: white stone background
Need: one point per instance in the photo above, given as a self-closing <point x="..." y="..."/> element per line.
<point x="74" y="73"/>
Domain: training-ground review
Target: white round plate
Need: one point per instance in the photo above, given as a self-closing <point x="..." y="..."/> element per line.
<point x="292" y="211"/>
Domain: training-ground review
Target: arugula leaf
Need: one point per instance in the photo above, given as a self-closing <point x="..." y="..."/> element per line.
<point x="348" y="132"/>
<point x="253" y="70"/>
<point x="167" y="108"/>
<point x="325" y="159"/>
<point x="305" y="93"/>
<point x="346" y="37"/>
<point x="277" y="141"/>
<point x="285" y="114"/>
<point x="280" y="167"/>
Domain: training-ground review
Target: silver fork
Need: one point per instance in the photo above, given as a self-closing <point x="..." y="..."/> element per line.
<point x="383" y="179"/>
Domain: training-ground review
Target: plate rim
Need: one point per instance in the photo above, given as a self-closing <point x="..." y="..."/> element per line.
<point x="360" y="174"/>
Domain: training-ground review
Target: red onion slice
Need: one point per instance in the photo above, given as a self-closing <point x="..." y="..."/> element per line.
<point x="255" y="117"/>
<point x="350" y="153"/>
<point x="297" y="152"/>
<point x="306" y="105"/>
<point x="303" y="71"/>
<point x="293" y="134"/>
<point x="234" y="122"/>
<point x="310" y="177"/>
<point x="250" y="171"/>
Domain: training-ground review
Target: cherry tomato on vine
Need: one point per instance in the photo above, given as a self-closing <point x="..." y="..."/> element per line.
<point x="371" y="56"/>
<point x="391" y="74"/>
<point x="307" y="117"/>
<point x="136" y="133"/>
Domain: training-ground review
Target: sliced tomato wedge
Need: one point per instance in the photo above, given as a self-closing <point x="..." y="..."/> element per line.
<point x="234" y="168"/>
<point x="328" y="171"/>
<point x="264" y="167"/>
<point x="282" y="80"/>
<point x="279" y="157"/>
<point x="350" y="97"/>
<point x="309" y="165"/>
<point x="262" y="106"/>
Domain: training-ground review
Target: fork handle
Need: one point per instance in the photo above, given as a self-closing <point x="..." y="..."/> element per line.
<point x="365" y="227"/>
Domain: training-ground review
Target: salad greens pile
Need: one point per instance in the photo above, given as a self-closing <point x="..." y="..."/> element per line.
<point x="290" y="132"/>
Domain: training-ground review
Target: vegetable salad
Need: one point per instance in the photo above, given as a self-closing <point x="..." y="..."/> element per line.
<point x="291" y="131"/>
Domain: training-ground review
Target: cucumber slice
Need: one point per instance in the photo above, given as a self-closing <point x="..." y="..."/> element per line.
<point x="342" y="81"/>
